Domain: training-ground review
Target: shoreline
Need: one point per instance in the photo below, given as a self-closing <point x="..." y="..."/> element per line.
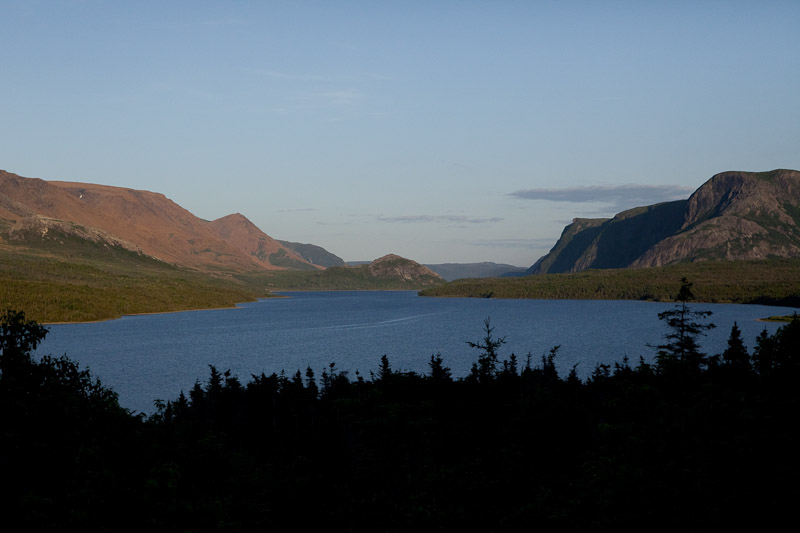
<point x="234" y="306"/>
<point x="785" y="319"/>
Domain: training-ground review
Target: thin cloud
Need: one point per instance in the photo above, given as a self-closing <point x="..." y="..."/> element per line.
<point x="621" y="196"/>
<point x="458" y="219"/>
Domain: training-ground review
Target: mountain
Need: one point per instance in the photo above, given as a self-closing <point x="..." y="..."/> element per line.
<point x="452" y="271"/>
<point x="733" y="216"/>
<point x="144" y="221"/>
<point x="315" y="255"/>
<point x="390" y="272"/>
<point x="395" y="267"/>
<point x="239" y="232"/>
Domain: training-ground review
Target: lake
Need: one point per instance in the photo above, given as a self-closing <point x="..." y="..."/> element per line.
<point x="148" y="357"/>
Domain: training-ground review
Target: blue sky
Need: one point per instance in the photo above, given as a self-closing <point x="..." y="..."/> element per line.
<point x="442" y="131"/>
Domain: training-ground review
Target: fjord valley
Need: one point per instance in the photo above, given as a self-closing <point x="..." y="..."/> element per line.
<point x="399" y="266"/>
<point x="77" y="251"/>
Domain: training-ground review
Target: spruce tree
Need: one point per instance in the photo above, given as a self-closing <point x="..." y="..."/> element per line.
<point x="735" y="355"/>
<point x="684" y="326"/>
<point x="486" y="367"/>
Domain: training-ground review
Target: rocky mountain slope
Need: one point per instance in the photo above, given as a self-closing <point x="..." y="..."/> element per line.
<point x="245" y="236"/>
<point x="143" y="221"/>
<point x="734" y="215"/>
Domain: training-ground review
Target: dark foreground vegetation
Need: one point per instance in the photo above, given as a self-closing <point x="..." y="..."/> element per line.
<point x="690" y="442"/>
<point x="770" y="282"/>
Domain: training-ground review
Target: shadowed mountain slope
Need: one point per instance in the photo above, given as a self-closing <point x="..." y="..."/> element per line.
<point x="314" y="254"/>
<point x="734" y="216"/>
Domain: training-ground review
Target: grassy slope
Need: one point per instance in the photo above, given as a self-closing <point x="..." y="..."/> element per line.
<point x="85" y="281"/>
<point x="772" y="281"/>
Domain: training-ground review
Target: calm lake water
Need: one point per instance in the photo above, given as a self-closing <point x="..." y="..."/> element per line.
<point x="150" y="357"/>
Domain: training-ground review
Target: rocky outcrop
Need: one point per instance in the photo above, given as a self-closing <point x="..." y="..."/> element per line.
<point x="395" y="267"/>
<point x="38" y="227"/>
<point x="734" y="215"/>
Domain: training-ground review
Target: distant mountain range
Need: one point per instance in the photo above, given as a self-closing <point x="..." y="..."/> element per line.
<point x="453" y="271"/>
<point x="733" y="216"/>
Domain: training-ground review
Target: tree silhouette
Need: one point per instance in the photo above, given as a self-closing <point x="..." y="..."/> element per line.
<point x="684" y="326"/>
<point x="735" y="355"/>
<point x="18" y="338"/>
<point x="438" y="373"/>
<point x="486" y="368"/>
<point x="778" y="352"/>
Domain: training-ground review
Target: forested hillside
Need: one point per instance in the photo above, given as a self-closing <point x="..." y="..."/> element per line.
<point x="771" y="282"/>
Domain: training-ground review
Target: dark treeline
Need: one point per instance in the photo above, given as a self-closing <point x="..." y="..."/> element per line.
<point x="687" y="442"/>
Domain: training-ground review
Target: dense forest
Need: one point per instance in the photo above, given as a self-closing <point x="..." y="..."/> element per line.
<point x="768" y="281"/>
<point x="691" y="441"/>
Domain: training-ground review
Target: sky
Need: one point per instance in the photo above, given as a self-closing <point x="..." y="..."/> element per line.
<point x="442" y="131"/>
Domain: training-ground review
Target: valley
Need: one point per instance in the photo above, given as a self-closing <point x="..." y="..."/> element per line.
<point x="83" y="252"/>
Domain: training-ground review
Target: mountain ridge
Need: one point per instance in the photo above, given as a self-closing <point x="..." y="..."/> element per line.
<point x="160" y="227"/>
<point x="734" y="215"/>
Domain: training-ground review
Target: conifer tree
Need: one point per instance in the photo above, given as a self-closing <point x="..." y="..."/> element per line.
<point x="735" y="355"/>
<point x="684" y="326"/>
<point x="486" y="367"/>
<point x="439" y="372"/>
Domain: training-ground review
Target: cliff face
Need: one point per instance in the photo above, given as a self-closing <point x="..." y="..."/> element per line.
<point x="146" y="221"/>
<point x="734" y="215"/>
